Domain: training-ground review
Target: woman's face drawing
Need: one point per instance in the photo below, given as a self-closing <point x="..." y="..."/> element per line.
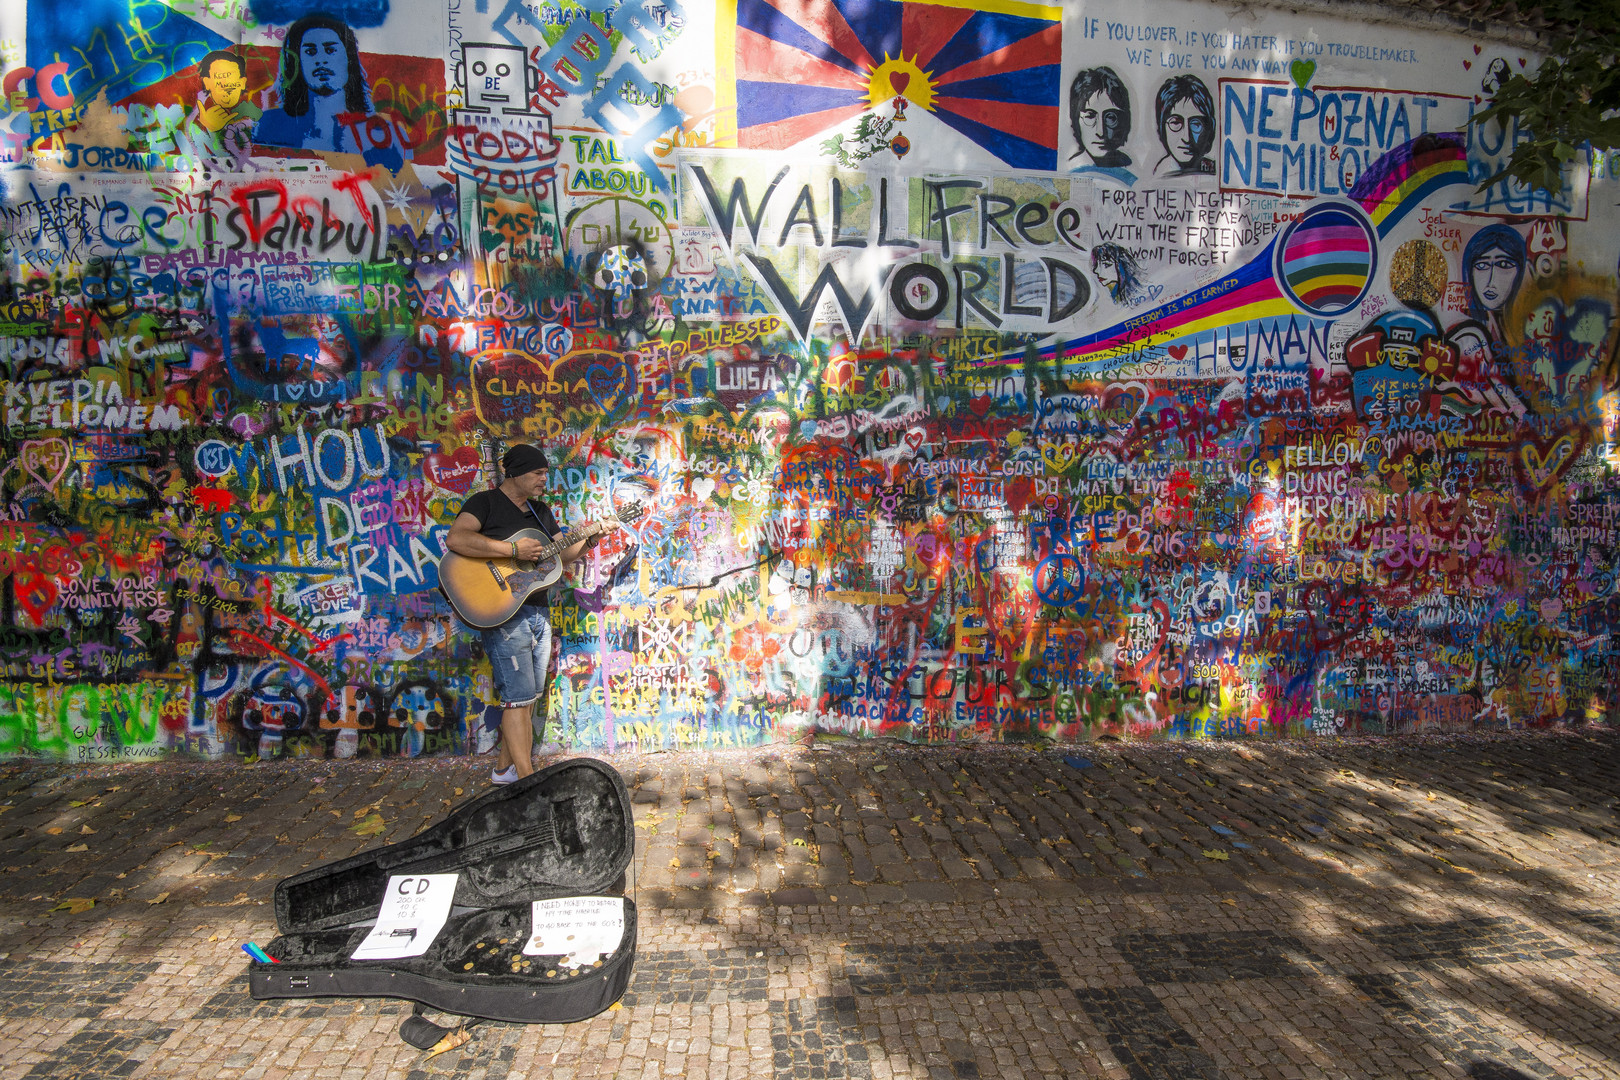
<point x="1107" y="273"/>
<point x="1494" y="274"/>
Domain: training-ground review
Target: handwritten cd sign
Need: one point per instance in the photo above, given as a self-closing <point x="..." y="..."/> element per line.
<point x="414" y="910"/>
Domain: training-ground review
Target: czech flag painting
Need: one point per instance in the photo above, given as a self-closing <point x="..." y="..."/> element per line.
<point x="987" y="69"/>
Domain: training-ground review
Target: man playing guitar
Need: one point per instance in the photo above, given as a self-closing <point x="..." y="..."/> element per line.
<point x="519" y="649"/>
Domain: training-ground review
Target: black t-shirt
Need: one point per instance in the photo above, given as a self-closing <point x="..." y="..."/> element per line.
<point x="499" y="517"/>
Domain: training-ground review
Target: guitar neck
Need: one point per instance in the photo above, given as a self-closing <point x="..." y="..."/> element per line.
<point x="590" y="528"/>
<point x="566" y="540"/>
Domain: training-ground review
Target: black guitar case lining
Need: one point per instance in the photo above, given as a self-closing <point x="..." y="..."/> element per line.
<point x="567" y="830"/>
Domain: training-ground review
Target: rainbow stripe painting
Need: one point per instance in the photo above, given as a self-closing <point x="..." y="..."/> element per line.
<point x="1247" y="294"/>
<point x="1330" y="252"/>
<point x="1321" y="265"/>
<point x="1399" y="181"/>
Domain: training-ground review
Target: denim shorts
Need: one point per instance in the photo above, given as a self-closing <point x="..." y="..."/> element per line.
<point x="519" y="652"/>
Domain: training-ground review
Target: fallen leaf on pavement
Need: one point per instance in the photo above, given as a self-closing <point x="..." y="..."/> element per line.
<point x="1431" y="796"/>
<point x="233" y="817"/>
<point x="159" y="898"/>
<point x="616" y="1006"/>
<point x="79" y="847"/>
<point x="74" y="904"/>
<point x="1219" y="856"/>
<point x="451" y="1040"/>
<point x="85" y="830"/>
<point x="458" y="791"/>
<point x="371" y="826"/>
<point x="1229" y="900"/>
<point x="55" y="830"/>
<point x="674" y="864"/>
<point x="335" y="813"/>
<point x="879" y="768"/>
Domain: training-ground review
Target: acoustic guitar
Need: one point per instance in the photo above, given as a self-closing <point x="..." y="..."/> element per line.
<point x="487" y="592"/>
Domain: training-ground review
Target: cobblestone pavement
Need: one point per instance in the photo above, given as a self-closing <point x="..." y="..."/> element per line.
<point x="1355" y="909"/>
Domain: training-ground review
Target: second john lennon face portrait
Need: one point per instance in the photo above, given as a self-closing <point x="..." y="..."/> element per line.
<point x="1185" y="113"/>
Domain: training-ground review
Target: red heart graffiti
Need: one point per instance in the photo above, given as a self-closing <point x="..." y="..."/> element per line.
<point x="1521" y="61"/>
<point x="35" y="592"/>
<point x="1476" y="50"/>
<point x="899" y="80"/>
<point x="454" y="472"/>
<point x="1179" y="352"/>
<point x="1468" y="65"/>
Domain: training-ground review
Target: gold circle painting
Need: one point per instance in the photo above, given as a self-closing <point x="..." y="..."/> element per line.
<point x="1417" y="274"/>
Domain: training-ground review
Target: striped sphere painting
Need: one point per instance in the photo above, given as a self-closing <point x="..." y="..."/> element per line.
<point x="1326" y="259"/>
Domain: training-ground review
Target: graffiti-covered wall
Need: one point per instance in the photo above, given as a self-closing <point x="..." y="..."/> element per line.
<point x="975" y="369"/>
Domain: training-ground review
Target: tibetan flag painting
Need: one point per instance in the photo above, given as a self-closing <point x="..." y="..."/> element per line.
<point x="880" y="76"/>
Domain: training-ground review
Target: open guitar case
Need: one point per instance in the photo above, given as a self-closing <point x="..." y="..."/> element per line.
<point x="565" y="831"/>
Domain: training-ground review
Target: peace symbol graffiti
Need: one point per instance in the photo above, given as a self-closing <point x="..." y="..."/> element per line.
<point x="1060" y="580"/>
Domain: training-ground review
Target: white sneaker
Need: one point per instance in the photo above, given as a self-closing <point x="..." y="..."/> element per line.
<point x="505" y="776"/>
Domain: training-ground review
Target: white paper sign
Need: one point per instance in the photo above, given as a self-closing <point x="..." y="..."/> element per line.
<point x="581" y="928"/>
<point x="413" y="913"/>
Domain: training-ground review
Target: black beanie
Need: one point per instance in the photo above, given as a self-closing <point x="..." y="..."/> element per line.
<point x="523" y="458"/>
